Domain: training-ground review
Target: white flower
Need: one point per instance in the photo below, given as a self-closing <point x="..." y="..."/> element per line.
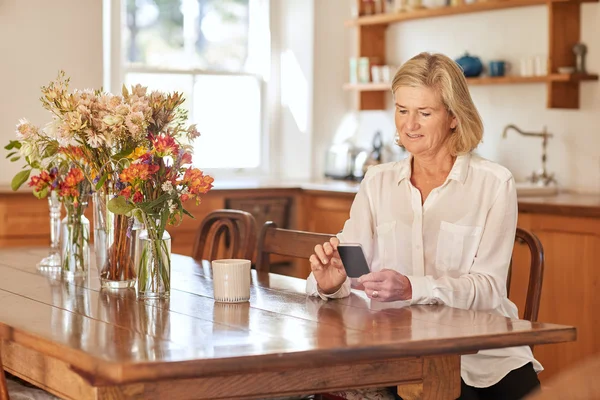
<point x="25" y="130"/>
<point x="167" y="186"/>
<point x="172" y="206"/>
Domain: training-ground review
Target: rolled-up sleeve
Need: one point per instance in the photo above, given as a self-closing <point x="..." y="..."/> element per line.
<point x="358" y="228"/>
<point x="484" y="287"/>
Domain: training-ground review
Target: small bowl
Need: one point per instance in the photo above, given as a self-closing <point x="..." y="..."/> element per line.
<point x="566" y="70"/>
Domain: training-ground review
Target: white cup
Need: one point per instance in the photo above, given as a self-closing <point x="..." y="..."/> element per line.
<point x="541" y="65"/>
<point x="527" y="66"/>
<point x="231" y="280"/>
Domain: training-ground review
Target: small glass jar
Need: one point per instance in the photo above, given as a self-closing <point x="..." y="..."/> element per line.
<point x="75" y="239"/>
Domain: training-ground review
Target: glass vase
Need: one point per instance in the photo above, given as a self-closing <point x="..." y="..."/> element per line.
<point x="114" y="245"/>
<point x="154" y="267"/>
<point x="75" y="239"/>
<point x="52" y="261"/>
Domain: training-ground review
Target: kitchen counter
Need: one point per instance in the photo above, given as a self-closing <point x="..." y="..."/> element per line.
<point x="565" y="203"/>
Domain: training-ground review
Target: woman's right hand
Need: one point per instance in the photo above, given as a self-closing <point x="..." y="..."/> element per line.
<point x="326" y="266"/>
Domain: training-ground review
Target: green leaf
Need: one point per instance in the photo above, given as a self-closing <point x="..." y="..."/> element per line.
<point x="149" y="207"/>
<point x="101" y="181"/>
<point x="186" y="212"/>
<point x="123" y="153"/>
<point x="42" y="194"/>
<point x="15" y="158"/>
<point x="12" y="153"/>
<point x="13" y="144"/>
<point x="120" y="205"/>
<point x="50" y="150"/>
<point x="19" y="179"/>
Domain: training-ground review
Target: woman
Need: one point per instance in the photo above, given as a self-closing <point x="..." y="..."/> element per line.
<point x="438" y="227"/>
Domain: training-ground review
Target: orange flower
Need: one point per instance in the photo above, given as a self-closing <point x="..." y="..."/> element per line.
<point x="74" y="176"/>
<point x="73" y="152"/>
<point x="41" y="181"/>
<point x="196" y="182"/>
<point x="165" y="145"/>
<point x="138" y="172"/>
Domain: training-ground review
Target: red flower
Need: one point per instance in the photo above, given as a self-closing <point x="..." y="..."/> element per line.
<point x="126" y="192"/>
<point x="186" y="159"/>
<point x="138" y="197"/>
<point x="165" y="145"/>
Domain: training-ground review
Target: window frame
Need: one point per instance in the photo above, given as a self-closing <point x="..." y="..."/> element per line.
<point x="115" y="69"/>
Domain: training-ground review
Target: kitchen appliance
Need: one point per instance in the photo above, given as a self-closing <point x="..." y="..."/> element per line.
<point x="340" y="160"/>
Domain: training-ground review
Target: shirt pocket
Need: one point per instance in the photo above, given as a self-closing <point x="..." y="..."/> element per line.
<point x="386" y="244"/>
<point x="456" y="246"/>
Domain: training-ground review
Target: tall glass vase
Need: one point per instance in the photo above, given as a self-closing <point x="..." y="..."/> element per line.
<point x="114" y="245"/>
<point x="75" y="239"/>
<point x="154" y="267"/>
<point x="52" y="261"/>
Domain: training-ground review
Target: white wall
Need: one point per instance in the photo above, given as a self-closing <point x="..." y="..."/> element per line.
<point x="295" y="47"/>
<point x="37" y="39"/>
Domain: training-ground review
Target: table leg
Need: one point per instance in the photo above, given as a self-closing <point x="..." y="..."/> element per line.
<point x="441" y="380"/>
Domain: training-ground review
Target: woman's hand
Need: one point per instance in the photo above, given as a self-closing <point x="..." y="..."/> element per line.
<point x="327" y="267"/>
<point x="386" y="285"/>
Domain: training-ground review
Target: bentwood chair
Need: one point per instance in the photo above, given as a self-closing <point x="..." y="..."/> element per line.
<point x="536" y="273"/>
<point x="225" y="234"/>
<point x="3" y="386"/>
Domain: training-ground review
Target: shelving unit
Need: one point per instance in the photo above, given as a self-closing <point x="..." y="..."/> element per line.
<point x="564" y="29"/>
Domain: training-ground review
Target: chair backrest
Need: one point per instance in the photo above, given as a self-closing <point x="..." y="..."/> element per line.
<point x="536" y="273"/>
<point x="3" y="386"/>
<point x="285" y="242"/>
<point x="225" y="234"/>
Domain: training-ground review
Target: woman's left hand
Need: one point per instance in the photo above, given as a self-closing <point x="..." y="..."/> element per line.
<point x="386" y="285"/>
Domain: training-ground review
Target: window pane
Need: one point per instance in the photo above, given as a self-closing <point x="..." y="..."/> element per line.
<point x="204" y="34"/>
<point x="227" y="110"/>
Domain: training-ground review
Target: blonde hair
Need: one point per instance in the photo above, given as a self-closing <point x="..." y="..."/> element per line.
<point x="439" y="72"/>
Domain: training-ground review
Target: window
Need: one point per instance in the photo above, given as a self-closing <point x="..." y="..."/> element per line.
<point x="217" y="53"/>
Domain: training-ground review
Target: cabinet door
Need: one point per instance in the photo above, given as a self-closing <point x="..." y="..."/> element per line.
<point x="327" y="213"/>
<point x="570" y="288"/>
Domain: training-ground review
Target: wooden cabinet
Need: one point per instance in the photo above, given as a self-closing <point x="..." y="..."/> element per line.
<point x="326" y="212"/>
<point x="564" y="22"/>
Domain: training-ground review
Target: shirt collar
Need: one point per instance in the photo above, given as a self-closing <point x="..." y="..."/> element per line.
<point x="458" y="172"/>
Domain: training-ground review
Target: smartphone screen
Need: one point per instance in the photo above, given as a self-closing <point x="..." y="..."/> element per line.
<point x="354" y="260"/>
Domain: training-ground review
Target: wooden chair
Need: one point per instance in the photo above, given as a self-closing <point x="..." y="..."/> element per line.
<point x="285" y="242"/>
<point x="225" y="234"/>
<point x="578" y="382"/>
<point x="3" y="385"/>
<point x="536" y="273"/>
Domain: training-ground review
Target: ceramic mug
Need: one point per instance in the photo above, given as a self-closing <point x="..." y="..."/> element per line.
<point x="498" y="68"/>
<point x="231" y="280"/>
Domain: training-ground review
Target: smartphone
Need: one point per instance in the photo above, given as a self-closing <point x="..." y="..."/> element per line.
<point x="354" y="260"/>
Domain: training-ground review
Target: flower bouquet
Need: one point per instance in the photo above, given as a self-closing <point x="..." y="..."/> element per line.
<point x="156" y="183"/>
<point x="134" y="151"/>
<point x="60" y="176"/>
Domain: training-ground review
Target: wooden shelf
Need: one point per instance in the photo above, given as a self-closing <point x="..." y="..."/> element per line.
<point x="486" y="80"/>
<point x="368" y="87"/>
<point x="564" y="23"/>
<point x="490" y="5"/>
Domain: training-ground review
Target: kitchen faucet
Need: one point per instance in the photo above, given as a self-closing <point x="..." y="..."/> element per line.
<point x="540" y="177"/>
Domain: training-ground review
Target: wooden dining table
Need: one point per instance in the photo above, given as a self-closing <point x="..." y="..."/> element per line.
<point x="77" y="341"/>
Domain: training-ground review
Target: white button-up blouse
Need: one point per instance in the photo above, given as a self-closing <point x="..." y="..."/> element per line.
<point x="455" y="248"/>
